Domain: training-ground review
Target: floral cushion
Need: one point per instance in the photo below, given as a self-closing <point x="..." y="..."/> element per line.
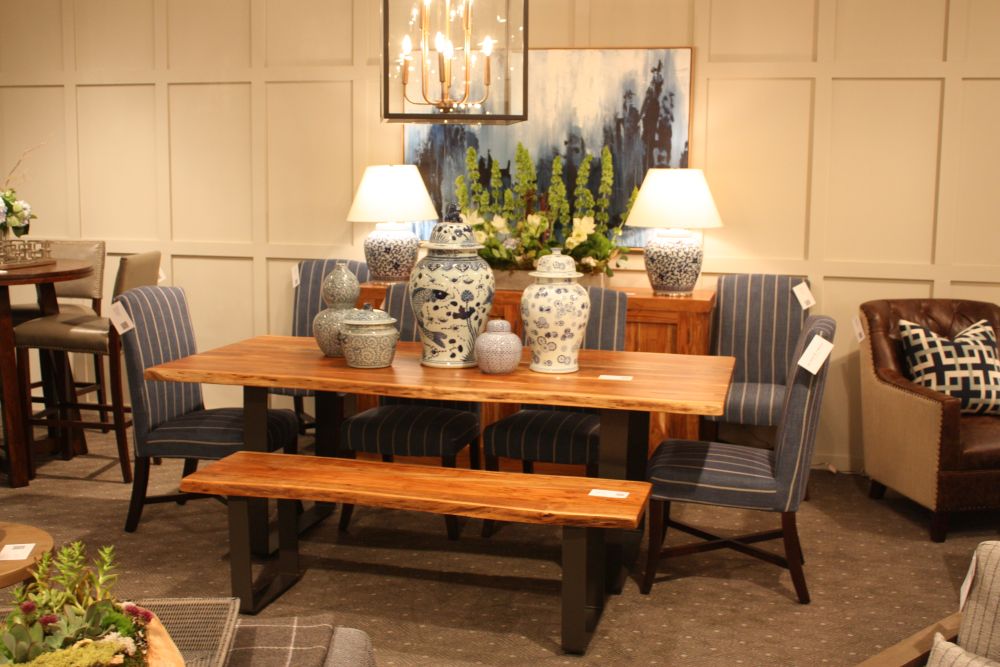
<point x="967" y="367"/>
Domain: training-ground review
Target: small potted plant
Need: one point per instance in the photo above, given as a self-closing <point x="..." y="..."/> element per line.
<point x="68" y="617"/>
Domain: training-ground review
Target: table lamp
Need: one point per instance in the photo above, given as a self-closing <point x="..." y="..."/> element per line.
<point x="392" y="196"/>
<point x="674" y="201"/>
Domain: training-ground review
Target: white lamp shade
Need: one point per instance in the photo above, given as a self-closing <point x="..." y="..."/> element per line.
<point x="392" y="193"/>
<point x="674" y="198"/>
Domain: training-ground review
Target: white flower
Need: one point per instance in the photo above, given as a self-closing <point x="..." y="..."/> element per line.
<point x="3" y="209"/>
<point x="572" y="242"/>
<point x="472" y="218"/>
<point x="500" y="224"/>
<point x="479" y="235"/>
<point x="583" y="226"/>
<point x="588" y="261"/>
<point x="533" y="222"/>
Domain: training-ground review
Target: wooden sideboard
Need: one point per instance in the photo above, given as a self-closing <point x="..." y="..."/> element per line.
<point x="681" y="325"/>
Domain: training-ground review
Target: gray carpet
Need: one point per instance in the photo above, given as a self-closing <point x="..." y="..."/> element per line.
<point x="873" y="574"/>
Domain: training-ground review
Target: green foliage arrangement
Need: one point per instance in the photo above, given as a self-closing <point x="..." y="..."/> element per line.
<point x="68" y="615"/>
<point x="518" y="225"/>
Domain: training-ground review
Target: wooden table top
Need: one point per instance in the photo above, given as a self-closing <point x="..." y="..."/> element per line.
<point x="61" y="270"/>
<point x="543" y="499"/>
<point x="680" y="383"/>
<point x="15" y="571"/>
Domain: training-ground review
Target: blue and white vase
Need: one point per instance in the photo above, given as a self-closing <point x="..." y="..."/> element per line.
<point x="340" y="292"/>
<point x="390" y="252"/>
<point x="451" y="291"/>
<point x="554" y="311"/>
<point x="498" y="350"/>
<point x="369" y="337"/>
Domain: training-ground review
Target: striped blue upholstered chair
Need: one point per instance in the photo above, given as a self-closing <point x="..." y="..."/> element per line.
<point x="757" y="320"/>
<point x="412" y="427"/>
<point x="713" y="473"/>
<point x="307" y="303"/>
<point x="553" y="434"/>
<point x="170" y="418"/>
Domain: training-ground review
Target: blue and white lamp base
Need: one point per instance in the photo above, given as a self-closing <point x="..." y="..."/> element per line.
<point x="391" y="252"/>
<point x="673" y="261"/>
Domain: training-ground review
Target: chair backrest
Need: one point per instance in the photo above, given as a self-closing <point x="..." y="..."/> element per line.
<point x="162" y="333"/>
<point x="140" y="270"/>
<point x="757" y="320"/>
<point x="309" y="294"/>
<point x="91" y="287"/>
<point x="606" y="325"/>
<point x="796" y="436"/>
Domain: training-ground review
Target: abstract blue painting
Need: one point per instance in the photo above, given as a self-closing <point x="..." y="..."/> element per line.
<point x="635" y="101"/>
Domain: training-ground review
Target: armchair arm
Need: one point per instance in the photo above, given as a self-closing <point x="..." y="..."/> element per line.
<point x="915" y="649"/>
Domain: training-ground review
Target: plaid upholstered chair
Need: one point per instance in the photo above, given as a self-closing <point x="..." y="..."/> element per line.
<point x="170" y="418"/>
<point x="307" y="303"/>
<point x="713" y="473"/>
<point x="412" y="427"/>
<point x="757" y="320"/>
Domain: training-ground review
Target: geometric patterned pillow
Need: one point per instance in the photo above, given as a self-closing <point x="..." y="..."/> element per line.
<point x="967" y="368"/>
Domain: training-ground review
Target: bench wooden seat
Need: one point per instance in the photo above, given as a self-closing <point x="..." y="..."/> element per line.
<point x="541" y="499"/>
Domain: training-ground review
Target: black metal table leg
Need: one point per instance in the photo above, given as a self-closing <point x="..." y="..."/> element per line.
<point x="255" y="438"/>
<point x="582" y="585"/>
<point x="255" y="595"/>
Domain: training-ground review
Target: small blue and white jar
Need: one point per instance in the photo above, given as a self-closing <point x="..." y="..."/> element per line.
<point x="391" y="251"/>
<point x="369" y="338"/>
<point x="340" y="292"/>
<point x="555" y="310"/>
<point x="673" y="261"/>
<point x="451" y="291"/>
<point x="498" y="349"/>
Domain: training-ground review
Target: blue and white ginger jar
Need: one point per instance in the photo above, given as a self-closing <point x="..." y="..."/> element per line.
<point x="340" y="292"/>
<point x="555" y="310"/>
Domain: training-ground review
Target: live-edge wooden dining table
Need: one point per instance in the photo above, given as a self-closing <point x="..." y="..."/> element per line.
<point x="623" y="386"/>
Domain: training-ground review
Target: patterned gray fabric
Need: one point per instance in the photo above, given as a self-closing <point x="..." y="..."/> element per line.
<point x="946" y="654"/>
<point x="215" y="433"/>
<point x="308" y="300"/>
<point x="312" y="641"/>
<point x="735" y="475"/>
<point x="410" y="430"/>
<point x="562" y="434"/>
<point x="757" y="319"/>
<point x="979" y="631"/>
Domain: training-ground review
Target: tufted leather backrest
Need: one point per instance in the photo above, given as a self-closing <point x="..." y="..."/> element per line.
<point x="91" y="287"/>
<point x="945" y="317"/>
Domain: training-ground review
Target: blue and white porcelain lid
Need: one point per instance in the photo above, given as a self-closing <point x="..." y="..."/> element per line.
<point x="367" y="315"/>
<point x="556" y="265"/>
<point x="452" y="235"/>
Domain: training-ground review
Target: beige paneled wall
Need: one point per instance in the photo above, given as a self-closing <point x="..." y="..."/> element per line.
<point x="854" y="141"/>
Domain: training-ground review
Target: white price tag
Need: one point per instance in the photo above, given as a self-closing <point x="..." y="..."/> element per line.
<point x="815" y="354"/>
<point x="963" y="593"/>
<point x="804" y="295"/>
<point x="161" y="276"/>
<point x="617" y="378"/>
<point x="16" y="551"/>
<point x="120" y="319"/>
<point x="295" y="276"/>
<point x="859" y="331"/>
<point x="604" y="493"/>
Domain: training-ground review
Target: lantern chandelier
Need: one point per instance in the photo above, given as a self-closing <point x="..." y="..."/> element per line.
<point x="455" y="60"/>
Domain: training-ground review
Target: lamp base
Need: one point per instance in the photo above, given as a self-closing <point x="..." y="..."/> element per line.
<point x="673" y="261"/>
<point x="391" y="252"/>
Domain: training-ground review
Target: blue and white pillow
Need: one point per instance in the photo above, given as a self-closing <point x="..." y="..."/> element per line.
<point x="967" y="367"/>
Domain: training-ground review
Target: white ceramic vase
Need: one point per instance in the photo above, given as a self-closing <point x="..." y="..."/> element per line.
<point x="554" y="311"/>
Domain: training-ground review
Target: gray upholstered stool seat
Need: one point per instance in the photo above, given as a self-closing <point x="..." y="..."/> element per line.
<point x="410" y="430"/>
<point x="215" y="433"/>
<point x="546" y="436"/>
<point x="715" y="473"/>
<point x="22" y="312"/>
<point x="68" y="332"/>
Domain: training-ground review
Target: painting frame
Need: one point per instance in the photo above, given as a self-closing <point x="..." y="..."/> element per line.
<point x="636" y="100"/>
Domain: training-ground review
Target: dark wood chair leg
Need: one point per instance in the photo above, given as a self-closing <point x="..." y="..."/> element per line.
<point x="118" y="408"/>
<point x="24" y="380"/>
<point x="474" y="454"/>
<point x="387" y="458"/>
<point x="939" y="526"/>
<point x="101" y="388"/>
<point x="657" y="508"/>
<point x="345" y="516"/>
<point x="527" y="467"/>
<point x="793" y="554"/>
<point x="299" y="405"/>
<point x="489" y="525"/>
<point x="876" y="490"/>
<point x="139" y="483"/>
<point x="190" y="465"/>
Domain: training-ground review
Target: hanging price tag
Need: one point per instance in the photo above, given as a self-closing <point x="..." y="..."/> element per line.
<point x="161" y="276"/>
<point x="815" y="354"/>
<point x="859" y="331"/>
<point x="804" y="295"/>
<point x="295" y="276"/>
<point x="120" y="319"/>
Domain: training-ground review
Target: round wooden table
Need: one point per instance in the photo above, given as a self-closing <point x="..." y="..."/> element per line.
<point x="44" y="279"/>
<point x="16" y="571"/>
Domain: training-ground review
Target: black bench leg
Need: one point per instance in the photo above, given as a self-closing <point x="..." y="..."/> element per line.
<point x="583" y="571"/>
<point x="255" y="595"/>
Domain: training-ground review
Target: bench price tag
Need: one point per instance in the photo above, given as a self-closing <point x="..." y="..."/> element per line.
<point x="120" y="319"/>
<point x="295" y="276"/>
<point x="604" y="493"/>
<point x="617" y="378"/>
<point x="16" y="551"/>
<point x="816" y="353"/>
<point x="804" y="295"/>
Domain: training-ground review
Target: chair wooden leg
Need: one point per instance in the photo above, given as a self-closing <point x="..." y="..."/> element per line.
<point x="139" y="483"/>
<point x="876" y="490"/>
<point x="450" y="520"/>
<point x="299" y="406"/>
<point x="387" y="458"/>
<point x="190" y="465"/>
<point x="24" y="375"/>
<point x="64" y="394"/>
<point x="474" y="454"/>
<point x="489" y="525"/>
<point x="118" y="411"/>
<point x="939" y="526"/>
<point x="527" y="467"/>
<point x="657" y="531"/>
<point x="345" y="516"/>
<point x="101" y="388"/>
<point x="793" y="554"/>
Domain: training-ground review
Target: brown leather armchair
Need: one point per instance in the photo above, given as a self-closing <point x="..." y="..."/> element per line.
<point x="916" y="441"/>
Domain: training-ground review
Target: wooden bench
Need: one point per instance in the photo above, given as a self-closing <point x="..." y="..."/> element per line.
<point x="541" y="499"/>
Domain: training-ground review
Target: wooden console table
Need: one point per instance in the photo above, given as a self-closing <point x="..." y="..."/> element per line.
<point x="652" y="324"/>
